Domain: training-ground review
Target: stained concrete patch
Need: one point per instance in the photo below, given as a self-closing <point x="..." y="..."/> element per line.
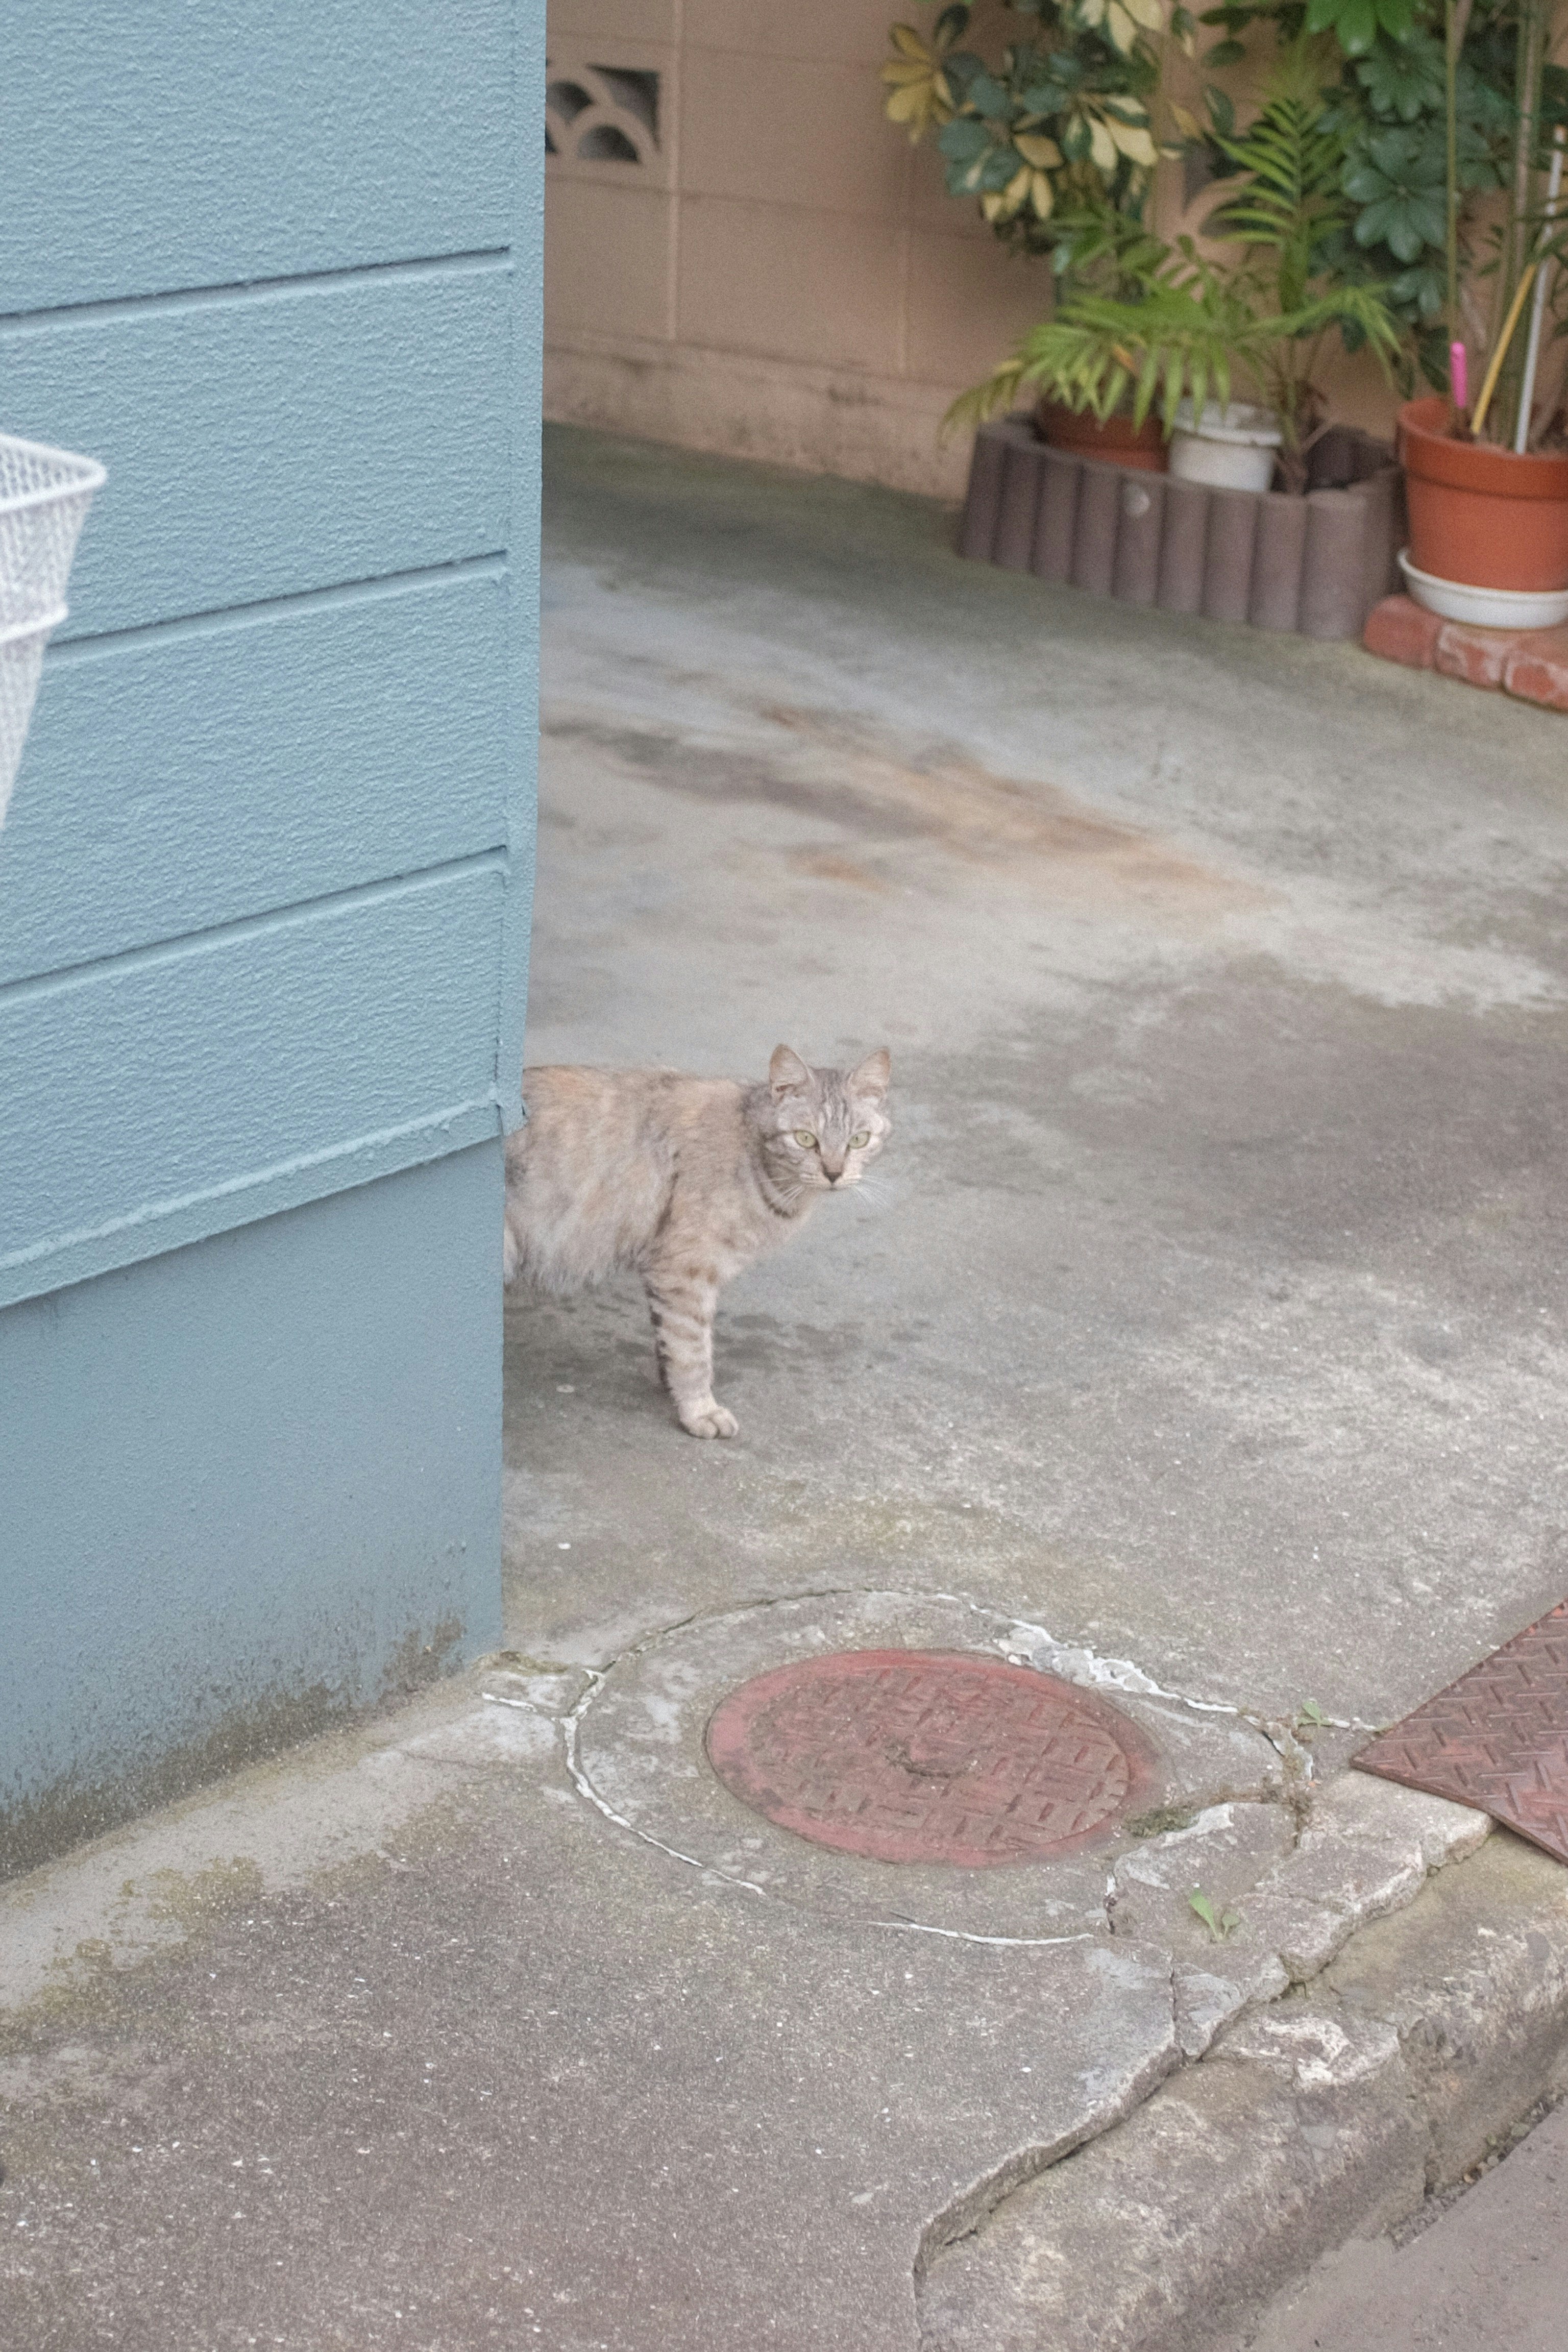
<point x="881" y="785"/>
<point x="1186" y="1196"/>
<point x="144" y="1891"/>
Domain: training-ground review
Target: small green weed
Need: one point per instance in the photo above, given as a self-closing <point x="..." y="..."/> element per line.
<point x="1220" y="1924"/>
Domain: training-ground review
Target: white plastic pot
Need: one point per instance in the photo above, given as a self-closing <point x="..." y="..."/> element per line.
<point x="1485" y="608"/>
<point x="1230" y="448"/>
<point x="44" y="498"/>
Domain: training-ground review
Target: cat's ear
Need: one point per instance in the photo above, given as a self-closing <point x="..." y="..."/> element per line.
<point x="869" y="1080"/>
<point x="787" y="1073"/>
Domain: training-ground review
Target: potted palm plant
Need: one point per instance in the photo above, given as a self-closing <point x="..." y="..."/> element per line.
<point x="1192" y="329"/>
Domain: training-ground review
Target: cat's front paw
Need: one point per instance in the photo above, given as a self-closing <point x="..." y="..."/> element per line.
<point x="707" y="1418"/>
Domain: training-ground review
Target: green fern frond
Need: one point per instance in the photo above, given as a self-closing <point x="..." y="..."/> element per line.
<point x="1365" y="307"/>
<point x="981" y="401"/>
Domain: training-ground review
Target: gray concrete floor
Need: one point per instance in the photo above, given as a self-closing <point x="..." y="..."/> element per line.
<point x="1209" y="1315"/>
<point x="1490" y="2274"/>
<point x="1210" y="1303"/>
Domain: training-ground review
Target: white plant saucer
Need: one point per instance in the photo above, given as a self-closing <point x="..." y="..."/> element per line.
<point x="1485" y="608"/>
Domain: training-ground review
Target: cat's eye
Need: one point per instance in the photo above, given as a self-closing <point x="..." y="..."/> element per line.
<point x="807" y="1141"/>
<point x="858" y="1142"/>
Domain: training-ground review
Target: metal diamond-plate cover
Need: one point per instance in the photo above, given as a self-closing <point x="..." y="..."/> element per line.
<point x="1497" y="1739"/>
<point x="923" y="1756"/>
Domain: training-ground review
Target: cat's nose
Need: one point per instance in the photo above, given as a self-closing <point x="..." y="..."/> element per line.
<point x="832" y="1173"/>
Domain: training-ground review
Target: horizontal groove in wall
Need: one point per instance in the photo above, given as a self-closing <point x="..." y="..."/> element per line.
<point x="692" y="351"/>
<point x="159" y="1226"/>
<point x="232" y="617"/>
<point x="195" y="298"/>
<point x="244" y="927"/>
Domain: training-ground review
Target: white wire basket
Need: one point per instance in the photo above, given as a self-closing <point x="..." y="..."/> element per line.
<point x="44" y="498"/>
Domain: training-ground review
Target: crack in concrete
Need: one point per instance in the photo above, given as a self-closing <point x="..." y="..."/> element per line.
<point x="965" y="2216"/>
<point x="1032" y="1645"/>
<point x="966" y="1935"/>
<point x="1075" y="1662"/>
<point x="569" y="1724"/>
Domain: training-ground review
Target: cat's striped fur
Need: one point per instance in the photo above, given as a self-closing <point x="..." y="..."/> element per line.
<point x="685" y="1180"/>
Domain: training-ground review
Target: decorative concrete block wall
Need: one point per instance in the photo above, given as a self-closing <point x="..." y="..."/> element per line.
<point x="1313" y="565"/>
<point x="264" y="885"/>
<point x="761" y="265"/>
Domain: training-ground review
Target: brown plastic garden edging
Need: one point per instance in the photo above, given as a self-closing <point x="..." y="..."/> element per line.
<point x="1313" y="565"/>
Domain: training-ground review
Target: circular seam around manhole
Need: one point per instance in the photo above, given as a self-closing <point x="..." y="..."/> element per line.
<point x="928" y="1756"/>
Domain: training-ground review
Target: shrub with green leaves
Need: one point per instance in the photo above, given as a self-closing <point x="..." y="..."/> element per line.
<point x="1189" y="325"/>
<point x="1059" y="121"/>
<point x="1390" y="113"/>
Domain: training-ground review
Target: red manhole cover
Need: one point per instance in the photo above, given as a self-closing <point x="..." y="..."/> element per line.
<point x="920" y="1756"/>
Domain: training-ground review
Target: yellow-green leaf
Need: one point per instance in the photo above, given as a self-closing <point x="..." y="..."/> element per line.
<point x="1001" y="203"/>
<point x="1134" y="143"/>
<point x="918" y="92"/>
<point x="1121" y="28"/>
<point x="1101" y="148"/>
<point x="1044" y="153"/>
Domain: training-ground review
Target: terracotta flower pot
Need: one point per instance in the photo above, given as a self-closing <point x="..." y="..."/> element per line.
<point x="1114" y="443"/>
<point x="1478" y="514"/>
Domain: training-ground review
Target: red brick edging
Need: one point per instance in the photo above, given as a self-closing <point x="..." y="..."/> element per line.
<point x="1530" y="663"/>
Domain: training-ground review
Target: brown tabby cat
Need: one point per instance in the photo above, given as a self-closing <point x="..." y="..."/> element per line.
<point x="687" y="1180"/>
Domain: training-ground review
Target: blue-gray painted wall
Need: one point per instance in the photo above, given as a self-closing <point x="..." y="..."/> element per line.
<point x="264" y="884"/>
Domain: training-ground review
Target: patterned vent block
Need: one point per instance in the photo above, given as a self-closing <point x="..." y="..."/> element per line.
<point x="601" y="114"/>
<point x="1497" y="1739"/>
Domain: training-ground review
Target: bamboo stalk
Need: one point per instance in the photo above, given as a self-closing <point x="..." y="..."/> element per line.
<point x="1529" y="56"/>
<point x="1450" y="75"/>
<point x="1503" y="341"/>
<point x="1538" y="307"/>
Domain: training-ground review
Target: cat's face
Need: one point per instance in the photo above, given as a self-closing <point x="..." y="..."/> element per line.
<point x="825" y="1127"/>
